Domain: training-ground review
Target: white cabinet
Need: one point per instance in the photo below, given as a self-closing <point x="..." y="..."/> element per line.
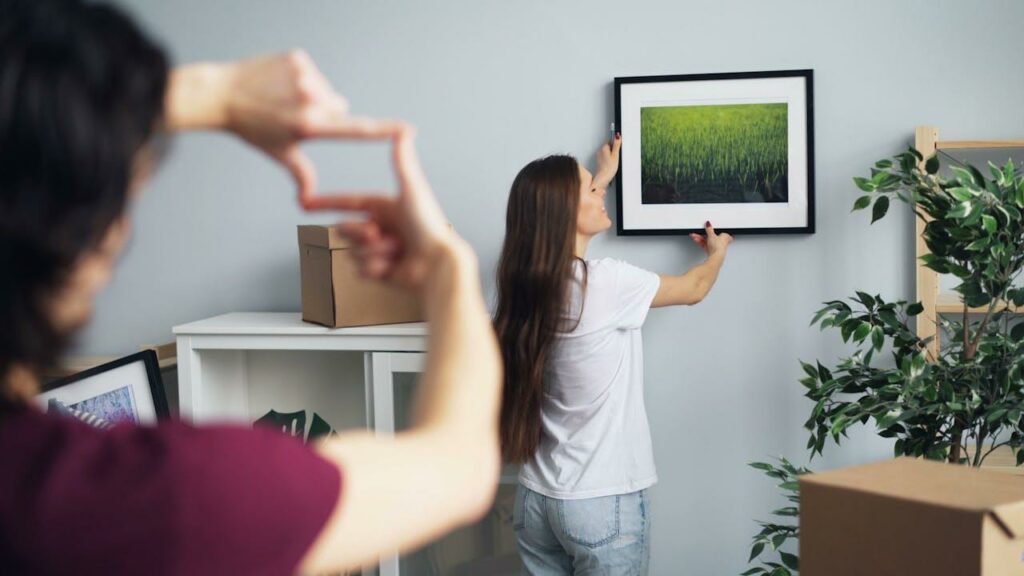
<point x="237" y="367"/>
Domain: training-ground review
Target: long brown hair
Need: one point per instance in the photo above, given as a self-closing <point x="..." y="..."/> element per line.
<point x="534" y="279"/>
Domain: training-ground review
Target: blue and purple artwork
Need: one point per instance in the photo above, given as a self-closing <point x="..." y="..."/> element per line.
<point x="114" y="406"/>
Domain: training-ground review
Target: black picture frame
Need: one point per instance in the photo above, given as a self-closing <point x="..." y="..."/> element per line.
<point x="806" y="74"/>
<point x="152" y="364"/>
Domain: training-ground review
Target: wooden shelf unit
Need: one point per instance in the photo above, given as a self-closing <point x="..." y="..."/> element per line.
<point x="952" y="304"/>
<point x="976" y="144"/>
<point x="926" y="140"/>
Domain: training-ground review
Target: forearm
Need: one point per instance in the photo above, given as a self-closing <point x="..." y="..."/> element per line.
<point x="461" y="387"/>
<point x="706" y="273"/>
<point x="402" y="492"/>
<point x="689" y="288"/>
<point x="197" y="97"/>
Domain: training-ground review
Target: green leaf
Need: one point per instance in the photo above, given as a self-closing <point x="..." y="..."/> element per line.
<point x="865" y="299"/>
<point x="861" y="203"/>
<point x="962" y="210"/>
<point x="877" y="337"/>
<point x="1017" y="332"/>
<point x="989" y="223"/>
<point x="846" y="329"/>
<point x="823" y="373"/>
<point x="880" y="208"/>
<point x="915" y="309"/>
<point x="864" y="184"/>
<point x="790" y="560"/>
<point x="979" y="245"/>
<point x="755" y="551"/>
<point x="1016" y="295"/>
<point x="932" y="165"/>
<point x="779" y="540"/>
<point x="964" y="176"/>
<point x="809" y="370"/>
<point x="861" y="332"/>
<point x="883" y="164"/>
<point x="961" y="194"/>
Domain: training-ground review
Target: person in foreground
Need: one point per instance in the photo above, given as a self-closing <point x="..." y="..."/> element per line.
<point x="86" y="103"/>
<point x="573" y="411"/>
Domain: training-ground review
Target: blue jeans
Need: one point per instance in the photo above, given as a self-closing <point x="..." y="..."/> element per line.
<point x="608" y="535"/>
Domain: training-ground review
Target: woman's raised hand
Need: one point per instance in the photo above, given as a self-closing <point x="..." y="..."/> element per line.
<point x="712" y="243"/>
<point x="607" y="162"/>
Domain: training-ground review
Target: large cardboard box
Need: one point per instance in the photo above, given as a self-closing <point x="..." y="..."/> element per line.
<point x="910" y="517"/>
<point x="333" y="293"/>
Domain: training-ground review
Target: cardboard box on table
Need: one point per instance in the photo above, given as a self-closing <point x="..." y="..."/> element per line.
<point x="334" y="295"/>
<point x="910" y="517"/>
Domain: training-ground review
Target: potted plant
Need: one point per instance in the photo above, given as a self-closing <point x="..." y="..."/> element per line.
<point x="958" y="405"/>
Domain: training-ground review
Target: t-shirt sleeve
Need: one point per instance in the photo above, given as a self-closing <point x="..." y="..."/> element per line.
<point x="635" y="289"/>
<point x="181" y="500"/>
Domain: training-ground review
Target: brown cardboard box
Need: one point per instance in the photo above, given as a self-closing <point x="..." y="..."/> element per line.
<point x="334" y="295"/>
<point x="910" y="517"/>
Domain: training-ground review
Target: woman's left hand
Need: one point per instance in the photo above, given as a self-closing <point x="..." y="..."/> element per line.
<point x="608" y="162"/>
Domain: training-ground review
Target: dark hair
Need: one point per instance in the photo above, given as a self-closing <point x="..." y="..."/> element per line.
<point x="81" y="93"/>
<point x="534" y="279"/>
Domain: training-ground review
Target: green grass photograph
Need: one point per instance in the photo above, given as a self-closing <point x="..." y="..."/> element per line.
<point x="721" y="154"/>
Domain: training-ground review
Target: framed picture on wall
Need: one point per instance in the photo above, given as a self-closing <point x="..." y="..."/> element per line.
<point x="128" y="389"/>
<point x="734" y="149"/>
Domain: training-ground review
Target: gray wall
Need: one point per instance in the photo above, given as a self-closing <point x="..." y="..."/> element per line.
<point x="492" y="85"/>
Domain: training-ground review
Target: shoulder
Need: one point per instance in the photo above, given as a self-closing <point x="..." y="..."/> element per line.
<point x="615" y="269"/>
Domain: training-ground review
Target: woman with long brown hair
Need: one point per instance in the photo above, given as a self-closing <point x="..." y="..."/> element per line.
<point x="573" y="411"/>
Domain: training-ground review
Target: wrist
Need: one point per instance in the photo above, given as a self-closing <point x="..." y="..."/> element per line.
<point x="603" y="179"/>
<point x="197" y="96"/>
<point x="451" y="268"/>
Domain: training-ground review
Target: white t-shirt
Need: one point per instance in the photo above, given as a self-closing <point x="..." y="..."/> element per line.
<point x="595" y="440"/>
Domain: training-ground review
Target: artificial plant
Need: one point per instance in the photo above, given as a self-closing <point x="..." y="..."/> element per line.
<point x="961" y="403"/>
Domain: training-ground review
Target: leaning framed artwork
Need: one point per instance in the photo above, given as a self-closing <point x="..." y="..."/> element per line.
<point x="128" y="389"/>
<point x="734" y="149"/>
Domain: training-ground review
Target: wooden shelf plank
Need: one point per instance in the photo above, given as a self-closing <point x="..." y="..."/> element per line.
<point x="969" y="144"/>
<point x="1003" y="459"/>
<point x="952" y="304"/>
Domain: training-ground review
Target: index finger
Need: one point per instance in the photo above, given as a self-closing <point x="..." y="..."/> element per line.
<point x="348" y="202"/>
<point x="335" y="123"/>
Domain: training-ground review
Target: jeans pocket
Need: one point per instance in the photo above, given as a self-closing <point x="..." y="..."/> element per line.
<point x="519" y="509"/>
<point x="590" y="522"/>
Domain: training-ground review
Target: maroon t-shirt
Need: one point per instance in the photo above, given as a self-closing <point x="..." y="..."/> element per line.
<point x="170" y="499"/>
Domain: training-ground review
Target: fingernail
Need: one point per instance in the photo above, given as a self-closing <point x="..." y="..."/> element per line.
<point x="707" y="224"/>
<point x="618" y="135"/>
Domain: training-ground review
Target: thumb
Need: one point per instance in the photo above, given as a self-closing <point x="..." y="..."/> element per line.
<point x="617" y="144"/>
<point x="302" y="171"/>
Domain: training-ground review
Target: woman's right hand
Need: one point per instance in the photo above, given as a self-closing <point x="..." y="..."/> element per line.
<point x="402" y="237"/>
<point x="712" y="243"/>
